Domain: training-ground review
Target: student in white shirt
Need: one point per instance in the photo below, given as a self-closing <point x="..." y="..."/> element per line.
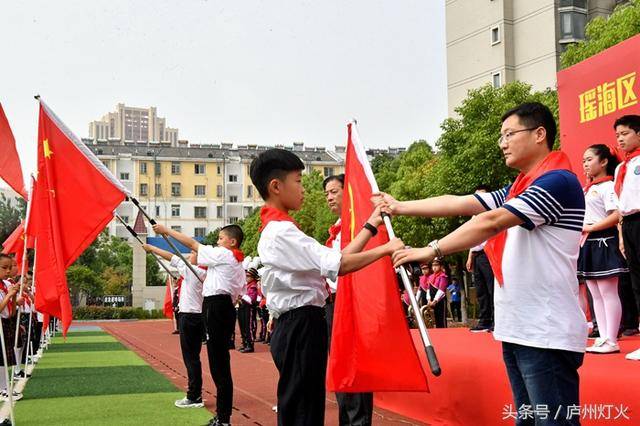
<point x="293" y="282"/>
<point x="7" y="308"/>
<point x="627" y="188"/>
<point x="533" y="227"/>
<point x="224" y="283"/>
<point x="190" y="322"/>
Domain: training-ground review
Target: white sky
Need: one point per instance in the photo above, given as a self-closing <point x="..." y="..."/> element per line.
<point x="242" y="71"/>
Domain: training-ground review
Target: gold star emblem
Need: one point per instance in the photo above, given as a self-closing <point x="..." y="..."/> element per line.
<point x="47" y="150"/>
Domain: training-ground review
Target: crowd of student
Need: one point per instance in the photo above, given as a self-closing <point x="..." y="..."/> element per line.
<point x="17" y="312"/>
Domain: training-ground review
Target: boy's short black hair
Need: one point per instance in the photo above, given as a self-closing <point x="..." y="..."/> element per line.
<point x="631" y="121"/>
<point x="533" y="115"/>
<point x="235" y="232"/>
<point x="273" y="163"/>
<point x="339" y="178"/>
<point x="5" y="256"/>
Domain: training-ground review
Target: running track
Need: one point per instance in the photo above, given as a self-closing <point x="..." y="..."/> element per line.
<point x="254" y="375"/>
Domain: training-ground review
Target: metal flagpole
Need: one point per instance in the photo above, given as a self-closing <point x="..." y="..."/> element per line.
<point x="424" y="334"/>
<point x="6" y="371"/>
<point x="173" y="246"/>
<point x="135" y="234"/>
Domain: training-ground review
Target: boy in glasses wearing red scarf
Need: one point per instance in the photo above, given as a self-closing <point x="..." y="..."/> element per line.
<point x="224" y="283"/>
<point x="533" y="227"/>
<point x="293" y="282"/>
<point x="627" y="187"/>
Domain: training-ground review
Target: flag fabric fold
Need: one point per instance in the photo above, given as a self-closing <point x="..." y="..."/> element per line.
<point x="371" y="345"/>
<point x="10" y="168"/>
<point x="73" y="201"/>
<point x="14" y="244"/>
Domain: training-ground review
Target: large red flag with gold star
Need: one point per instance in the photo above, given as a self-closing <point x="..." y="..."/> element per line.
<point x="74" y="200"/>
<point x="371" y="346"/>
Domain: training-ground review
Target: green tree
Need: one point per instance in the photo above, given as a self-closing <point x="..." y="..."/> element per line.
<point x="83" y="279"/>
<point x="314" y="217"/>
<point x="117" y="281"/>
<point x="602" y="33"/>
<point x="12" y="211"/>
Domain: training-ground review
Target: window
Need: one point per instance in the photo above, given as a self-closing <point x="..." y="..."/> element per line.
<point x="158" y="190"/>
<point x="219" y="212"/>
<point x="233" y="219"/>
<point x="124" y="176"/>
<point x="199" y="190"/>
<point x="144" y="189"/>
<point x="143" y="168"/>
<point x="233" y="198"/>
<point x="125" y="219"/>
<point x="157" y="211"/>
<point x="218" y="170"/>
<point x="199" y="212"/>
<point x="219" y="191"/>
<point x="175" y="168"/>
<point x="175" y="210"/>
<point x="158" y="168"/>
<point x="200" y="232"/>
<point x="177" y="228"/>
<point x="175" y="189"/>
<point x="199" y="169"/>
<point x="572" y="25"/>
<point x="574" y="3"/>
<point x="250" y="191"/>
<point x="233" y="178"/>
<point x="106" y="163"/>
<point x="328" y="171"/>
<point x="495" y="35"/>
<point x="247" y="211"/>
<point x="496" y="80"/>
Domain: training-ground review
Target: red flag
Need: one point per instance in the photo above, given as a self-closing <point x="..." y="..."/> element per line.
<point x="10" y="169"/>
<point x="371" y="345"/>
<point x="14" y="244"/>
<point x="46" y="319"/>
<point x="74" y="200"/>
<point x="167" y="308"/>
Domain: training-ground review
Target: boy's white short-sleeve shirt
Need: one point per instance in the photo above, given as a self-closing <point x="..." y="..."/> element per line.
<point x="190" y="299"/>
<point x="629" y="200"/>
<point x="225" y="275"/>
<point x="537" y="305"/>
<point x="295" y="268"/>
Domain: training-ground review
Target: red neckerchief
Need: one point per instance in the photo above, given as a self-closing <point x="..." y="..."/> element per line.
<point x="204" y="268"/>
<point x="623" y="170"/>
<point x="494" y="249"/>
<point x="238" y="254"/>
<point x="268" y="214"/>
<point x="334" y="231"/>
<point x="595" y="182"/>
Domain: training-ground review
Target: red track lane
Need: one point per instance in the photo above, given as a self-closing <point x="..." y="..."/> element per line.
<point x="254" y="375"/>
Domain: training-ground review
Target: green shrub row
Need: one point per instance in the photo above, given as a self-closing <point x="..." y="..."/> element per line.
<point x="108" y="312"/>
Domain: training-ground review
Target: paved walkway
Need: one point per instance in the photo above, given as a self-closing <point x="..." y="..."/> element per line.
<point x="255" y="376"/>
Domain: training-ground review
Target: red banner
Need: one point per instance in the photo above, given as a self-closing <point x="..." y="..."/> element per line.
<point x="593" y="94"/>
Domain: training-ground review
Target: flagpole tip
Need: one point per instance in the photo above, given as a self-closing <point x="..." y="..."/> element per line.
<point x="37" y="97"/>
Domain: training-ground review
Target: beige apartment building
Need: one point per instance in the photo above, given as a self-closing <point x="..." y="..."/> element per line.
<point x="132" y="124"/>
<point x="500" y="41"/>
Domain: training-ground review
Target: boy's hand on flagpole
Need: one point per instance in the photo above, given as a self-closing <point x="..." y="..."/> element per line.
<point x="394" y="245"/>
<point x="376" y="217"/>
<point x="160" y="229"/>
<point x="424" y="254"/>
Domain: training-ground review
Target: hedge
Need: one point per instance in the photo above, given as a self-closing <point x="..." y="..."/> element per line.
<point x="108" y="312"/>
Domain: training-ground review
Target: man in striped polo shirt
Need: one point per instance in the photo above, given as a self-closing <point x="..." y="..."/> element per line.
<point x="533" y="228"/>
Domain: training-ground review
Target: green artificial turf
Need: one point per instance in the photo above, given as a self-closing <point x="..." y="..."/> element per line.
<point x="92" y="379"/>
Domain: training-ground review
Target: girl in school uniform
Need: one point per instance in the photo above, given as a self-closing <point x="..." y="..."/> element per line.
<point x="600" y="262"/>
<point x="437" y="294"/>
<point x="7" y="309"/>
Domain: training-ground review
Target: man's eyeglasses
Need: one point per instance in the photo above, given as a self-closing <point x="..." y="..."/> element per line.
<point x="508" y="135"/>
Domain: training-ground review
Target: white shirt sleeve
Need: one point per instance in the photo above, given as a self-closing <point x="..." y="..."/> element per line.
<point x="610" y="198"/>
<point x="182" y="268"/>
<point x="213" y="256"/>
<point x="293" y="251"/>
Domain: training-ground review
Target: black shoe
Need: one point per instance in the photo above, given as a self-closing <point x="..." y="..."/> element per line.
<point x="594" y="333"/>
<point x="630" y="332"/>
<point x="481" y="329"/>
<point x="6" y="422"/>
<point x="216" y="422"/>
<point x="175" y="332"/>
<point x="247" y="350"/>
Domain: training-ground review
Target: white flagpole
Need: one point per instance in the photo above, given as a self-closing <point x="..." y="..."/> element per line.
<point x="6" y="371"/>
<point x="362" y="156"/>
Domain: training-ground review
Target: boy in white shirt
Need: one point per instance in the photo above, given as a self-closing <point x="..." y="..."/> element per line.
<point x="225" y="281"/>
<point x="190" y="323"/>
<point x="293" y="282"/>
